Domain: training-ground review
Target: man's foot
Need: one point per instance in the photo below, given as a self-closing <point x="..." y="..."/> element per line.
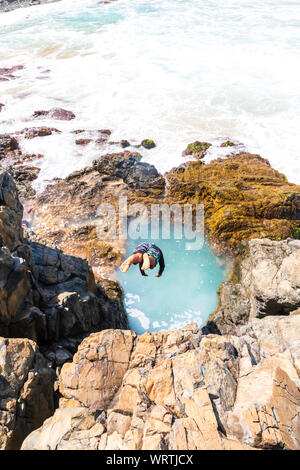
<point x="146" y="262"/>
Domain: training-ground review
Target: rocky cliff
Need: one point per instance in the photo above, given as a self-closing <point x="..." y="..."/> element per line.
<point x="190" y="389"/>
<point x="232" y="385"/>
<point x="50" y="298"/>
<point x="180" y="390"/>
<point x="265" y="281"/>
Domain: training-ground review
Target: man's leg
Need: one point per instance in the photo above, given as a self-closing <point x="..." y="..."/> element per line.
<point x="146" y="262"/>
<point x="127" y="263"/>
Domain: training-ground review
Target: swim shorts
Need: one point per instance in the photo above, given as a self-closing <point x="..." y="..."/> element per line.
<point x="155" y="254"/>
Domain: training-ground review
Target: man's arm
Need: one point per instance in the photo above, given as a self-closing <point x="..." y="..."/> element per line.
<point x="142" y="272"/>
<point x="161" y="265"/>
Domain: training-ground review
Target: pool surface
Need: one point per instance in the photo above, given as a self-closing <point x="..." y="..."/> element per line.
<point x="185" y="293"/>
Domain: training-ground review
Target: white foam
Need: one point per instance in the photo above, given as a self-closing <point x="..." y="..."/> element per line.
<point x="175" y="71"/>
<point x="138" y="315"/>
<point x="131" y="299"/>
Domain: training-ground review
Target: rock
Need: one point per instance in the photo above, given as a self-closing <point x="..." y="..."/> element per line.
<point x="66" y="212"/>
<point x="124" y="143"/>
<point x="83" y="141"/>
<point x="228" y="143"/>
<point x="74" y="304"/>
<point x="16" y="298"/>
<point x="265" y="281"/>
<point x="97" y="136"/>
<point x="243" y="198"/>
<point x="279" y="333"/>
<point x="55" y="113"/>
<point x="23" y="176"/>
<point x="7" y="73"/>
<point x="179" y="390"/>
<point x="13" y="160"/>
<point x="196" y="149"/>
<point x="69" y="428"/>
<point x="90" y="380"/>
<point x="148" y="144"/>
<point x="46" y="295"/>
<point x="11" y="212"/>
<point x="24" y="173"/>
<point x="26" y="391"/>
<point x="266" y="410"/>
<point x="7" y="144"/>
<point x="105" y="132"/>
<point x="152" y="390"/>
<point x="32" y="132"/>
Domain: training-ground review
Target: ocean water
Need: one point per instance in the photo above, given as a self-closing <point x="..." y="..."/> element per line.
<point x="172" y="70"/>
<point x="185" y="293"/>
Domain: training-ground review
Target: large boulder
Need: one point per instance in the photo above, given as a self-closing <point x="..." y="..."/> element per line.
<point x="266" y="412"/>
<point x="26" y="391"/>
<point x="47" y="296"/>
<point x="265" y="281"/>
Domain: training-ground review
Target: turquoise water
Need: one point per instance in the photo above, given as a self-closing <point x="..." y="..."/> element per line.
<point x="174" y="71"/>
<point x="185" y="293"/>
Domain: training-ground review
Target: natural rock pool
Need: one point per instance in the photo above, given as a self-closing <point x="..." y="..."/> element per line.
<point x="185" y="293"/>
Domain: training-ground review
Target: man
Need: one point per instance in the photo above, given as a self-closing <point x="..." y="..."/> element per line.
<point x="147" y="256"/>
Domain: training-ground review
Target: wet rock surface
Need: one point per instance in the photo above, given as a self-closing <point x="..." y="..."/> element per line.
<point x="15" y="162"/>
<point x="7" y="144"/>
<point x="59" y="114"/>
<point x="32" y="132"/>
<point x="8" y="73"/>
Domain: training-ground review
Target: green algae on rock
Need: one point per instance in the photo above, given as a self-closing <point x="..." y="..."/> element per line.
<point x="148" y="144"/>
<point x="228" y="143"/>
<point x="296" y="234"/>
<point x="243" y="198"/>
<point x="196" y="149"/>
